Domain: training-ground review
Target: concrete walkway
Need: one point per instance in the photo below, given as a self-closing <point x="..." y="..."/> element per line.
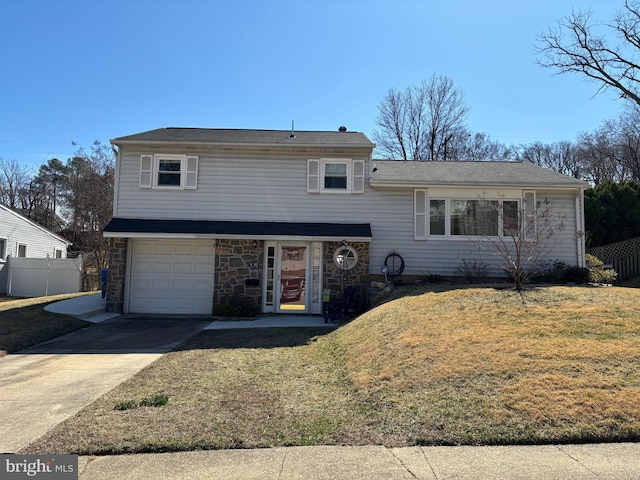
<point x="87" y="307"/>
<point x="548" y="462"/>
<point x="273" y="321"/>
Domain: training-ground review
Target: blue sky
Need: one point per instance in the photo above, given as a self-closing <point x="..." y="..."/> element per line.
<point x="78" y="70"/>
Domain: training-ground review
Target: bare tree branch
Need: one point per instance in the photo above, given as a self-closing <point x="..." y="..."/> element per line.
<point x="421" y="122"/>
<point x="576" y="45"/>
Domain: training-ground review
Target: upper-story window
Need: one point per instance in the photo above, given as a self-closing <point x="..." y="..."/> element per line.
<point x="335" y="175"/>
<point x="3" y="248"/>
<point x="168" y="171"/>
<point x="21" y="250"/>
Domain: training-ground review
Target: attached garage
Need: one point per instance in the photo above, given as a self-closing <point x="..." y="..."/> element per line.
<point x="169" y="276"/>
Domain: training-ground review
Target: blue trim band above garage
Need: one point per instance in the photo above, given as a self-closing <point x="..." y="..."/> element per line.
<point x="146" y="228"/>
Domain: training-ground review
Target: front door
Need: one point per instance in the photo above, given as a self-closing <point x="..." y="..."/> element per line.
<point x="293" y="281"/>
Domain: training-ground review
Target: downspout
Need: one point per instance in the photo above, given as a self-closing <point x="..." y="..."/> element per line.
<point x="580" y="228"/>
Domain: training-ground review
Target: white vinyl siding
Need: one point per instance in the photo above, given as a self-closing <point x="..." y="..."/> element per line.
<point x="276" y="188"/>
<point x="238" y="188"/>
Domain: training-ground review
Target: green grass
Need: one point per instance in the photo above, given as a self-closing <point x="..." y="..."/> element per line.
<point x="470" y="366"/>
<point x="24" y="322"/>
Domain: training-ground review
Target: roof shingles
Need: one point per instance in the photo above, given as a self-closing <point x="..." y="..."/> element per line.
<point x="214" y="136"/>
<point x="502" y="174"/>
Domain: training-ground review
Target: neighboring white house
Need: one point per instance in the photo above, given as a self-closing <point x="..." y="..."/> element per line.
<point x="23" y="238"/>
<point x="205" y="215"/>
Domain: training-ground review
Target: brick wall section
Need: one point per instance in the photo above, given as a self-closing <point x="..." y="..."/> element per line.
<point x="236" y="262"/>
<point x="334" y="278"/>
<point x="115" y="283"/>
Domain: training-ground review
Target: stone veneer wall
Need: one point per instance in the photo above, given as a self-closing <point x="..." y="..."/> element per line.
<point x="334" y="278"/>
<point x="117" y="269"/>
<point x="238" y="261"/>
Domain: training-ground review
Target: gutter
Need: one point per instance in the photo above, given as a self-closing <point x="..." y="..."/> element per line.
<point x="166" y="143"/>
<point x="377" y="184"/>
<point x="580" y="229"/>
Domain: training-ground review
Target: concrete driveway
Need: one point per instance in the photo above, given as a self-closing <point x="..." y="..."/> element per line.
<point x="44" y="385"/>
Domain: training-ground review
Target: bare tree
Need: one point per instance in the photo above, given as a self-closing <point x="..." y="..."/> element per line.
<point x="87" y="199"/>
<point x="561" y="157"/>
<point x="577" y="44"/>
<point x="479" y="147"/>
<point x="14" y="182"/>
<point x="421" y="122"/>
<point x="530" y="231"/>
<point x="599" y="154"/>
<point x="611" y="153"/>
<point x="629" y="142"/>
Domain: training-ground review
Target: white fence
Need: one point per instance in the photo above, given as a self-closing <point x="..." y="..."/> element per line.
<point x="41" y="277"/>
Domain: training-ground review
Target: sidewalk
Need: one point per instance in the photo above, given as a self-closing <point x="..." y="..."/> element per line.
<point x="548" y="462"/>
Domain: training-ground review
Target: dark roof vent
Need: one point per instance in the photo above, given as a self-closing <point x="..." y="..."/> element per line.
<point x="342" y="129"/>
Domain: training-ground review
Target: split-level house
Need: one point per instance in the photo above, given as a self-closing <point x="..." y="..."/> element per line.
<point x="277" y="217"/>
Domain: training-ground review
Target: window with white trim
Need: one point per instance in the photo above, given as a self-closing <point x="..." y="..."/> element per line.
<point x="3" y="248"/>
<point x="169" y="171"/>
<point x="474" y="217"/>
<point x="57" y="253"/>
<point x="335" y="175"/>
<point x="21" y="250"/>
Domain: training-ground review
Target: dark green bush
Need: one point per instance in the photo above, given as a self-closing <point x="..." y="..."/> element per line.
<point x="560" y="272"/>
<point x="237" y="306"/>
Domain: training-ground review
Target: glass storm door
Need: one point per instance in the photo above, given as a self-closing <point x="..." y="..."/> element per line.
<point x="292" y="269"/>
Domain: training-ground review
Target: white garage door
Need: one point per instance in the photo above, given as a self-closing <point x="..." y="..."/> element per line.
<point x="172" y="276"/>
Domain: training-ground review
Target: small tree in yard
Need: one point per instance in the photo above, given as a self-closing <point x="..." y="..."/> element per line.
<point x="530" y="230"/>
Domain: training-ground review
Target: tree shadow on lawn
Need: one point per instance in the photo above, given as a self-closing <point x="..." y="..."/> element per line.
<point x="253" y="338"/>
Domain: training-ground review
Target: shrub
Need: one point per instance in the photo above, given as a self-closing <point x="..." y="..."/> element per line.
<point x="472" y="270"/>
<point x="237" y="306"/>
<point x="597" y="272"/>
<point x="561" y="272"/>
<point x="434" y="278"/>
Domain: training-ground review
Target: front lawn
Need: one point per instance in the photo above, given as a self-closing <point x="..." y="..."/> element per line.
<point x="469" y="366"/>
<point x="24" y="322"/>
